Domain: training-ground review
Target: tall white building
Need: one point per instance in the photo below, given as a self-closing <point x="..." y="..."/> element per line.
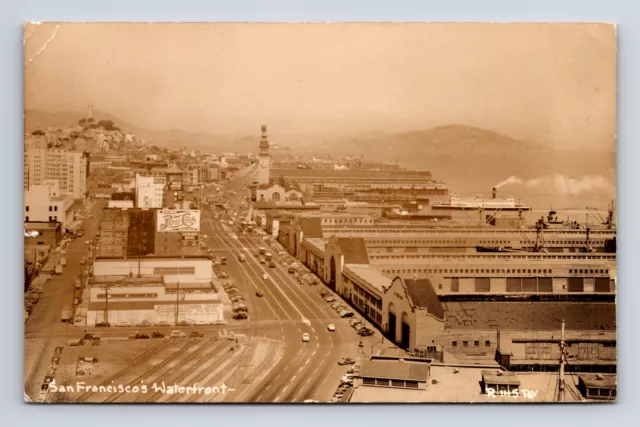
<point x="68" y="168"/>
<point x="148" y="193"/>
<point x="44" y="203"/>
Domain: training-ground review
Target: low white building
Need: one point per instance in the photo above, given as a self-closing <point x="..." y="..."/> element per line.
<point x="186" y="269"/>
<point x="152" y="300"/>
<point x="44" y="203"/>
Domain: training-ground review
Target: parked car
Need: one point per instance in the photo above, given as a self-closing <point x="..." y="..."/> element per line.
<point x="196" y="334"/>
<point x="123" y="324"/>
<point x="346" y="361"/>
<point x="292" y="270"/>
<point x="157" y="334"/>
<point x="177" y="334"/>
<point x="240" y="316"/>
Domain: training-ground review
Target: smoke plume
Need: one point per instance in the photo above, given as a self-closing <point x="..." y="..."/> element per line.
<point x="563" y="185"/>
<point x="511" y="180"/>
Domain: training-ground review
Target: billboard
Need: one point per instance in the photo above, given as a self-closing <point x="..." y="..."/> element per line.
<point x="179" y="220"/>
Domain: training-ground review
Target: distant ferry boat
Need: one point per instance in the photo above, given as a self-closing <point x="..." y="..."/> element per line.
<point x="478" y="202"/>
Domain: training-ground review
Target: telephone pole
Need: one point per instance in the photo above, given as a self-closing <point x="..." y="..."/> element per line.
<point x="177" y="303"/>
<point x="561" y="377"/>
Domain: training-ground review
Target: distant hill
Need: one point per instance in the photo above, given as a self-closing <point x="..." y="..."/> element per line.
<point x="35" y="119"/>
<point x="468" y="159"/>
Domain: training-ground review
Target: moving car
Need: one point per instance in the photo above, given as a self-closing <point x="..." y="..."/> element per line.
<point x="272" y="264"/>
<point x="331" y="327"/>
<point x="305" y="337"/>
<point x="259" y="294"/>
<point x="346" y="361"/>
<point x="265" y="276"/>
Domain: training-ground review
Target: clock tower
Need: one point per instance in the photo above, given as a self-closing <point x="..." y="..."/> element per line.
<point x="264" y="159"/>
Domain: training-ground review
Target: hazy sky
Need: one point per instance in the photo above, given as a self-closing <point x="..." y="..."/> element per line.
<point x="551" y="83"/>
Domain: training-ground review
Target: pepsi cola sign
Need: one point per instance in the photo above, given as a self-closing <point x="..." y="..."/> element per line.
<point x="180" y="220"/>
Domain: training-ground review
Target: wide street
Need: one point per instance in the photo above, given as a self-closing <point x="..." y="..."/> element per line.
<point x="287" y="370"/>
<point x="44" y="329"/>
<point x="286" y="311"/>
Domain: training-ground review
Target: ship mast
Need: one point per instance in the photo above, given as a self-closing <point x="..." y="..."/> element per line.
<point x="562" y="358"/>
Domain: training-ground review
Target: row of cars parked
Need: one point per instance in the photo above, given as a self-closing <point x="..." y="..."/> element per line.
<point x="275" y="246"/>
<point x="162" y="323"/>
<point x="51" y="373"/>
<point x="300" y="272"/>
<point x="340" y="308"/>
<point x="157" y="334"/>
<point x="238" y="303"/>
<point x="361" y="328"/>
<point x="346" y="382"/>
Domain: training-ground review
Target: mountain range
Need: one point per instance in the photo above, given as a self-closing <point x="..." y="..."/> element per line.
<point x="468" y="159"/>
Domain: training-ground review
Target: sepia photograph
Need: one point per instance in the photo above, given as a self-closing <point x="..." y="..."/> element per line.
<point x="320" y="212"/>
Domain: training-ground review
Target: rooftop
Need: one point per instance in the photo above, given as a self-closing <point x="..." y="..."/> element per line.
<point x="500" y="377"/>
<point x="599" y="380"/>
<point x="352" y="173"/>
<point x="142" y="258"/>
<point x="371" y="275"/>
<point x="463" y="385"/>
<point x="395" y="369"/>
<point x="317" y="243"/>
<point x="354" y="250"/>
<point x="539" y="315"/>
<point x="41" y="225"/>
<point x="60" y="197"/>
<point x="423" y="295"/>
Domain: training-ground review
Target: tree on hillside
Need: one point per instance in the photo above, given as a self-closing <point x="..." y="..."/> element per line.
<point x="107" y="125"/>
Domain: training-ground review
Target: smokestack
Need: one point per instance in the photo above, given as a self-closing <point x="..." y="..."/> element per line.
<point x="494" y="192"/>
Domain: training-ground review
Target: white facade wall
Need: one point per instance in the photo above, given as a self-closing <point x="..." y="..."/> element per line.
<point x="173" y="270"/>
<point x="43" y="203"/>
<point x="157" y="305"/>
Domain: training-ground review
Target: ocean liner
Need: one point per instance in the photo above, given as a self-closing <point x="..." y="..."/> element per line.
<point x="484" y="203"/>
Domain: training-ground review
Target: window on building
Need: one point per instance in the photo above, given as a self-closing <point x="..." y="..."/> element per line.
<point x="50" y="209"/>
<point x="55" y="208"/>
<point x="465" y="344"/>
<point x="26" y="219"/>
<point x="476" y="343"/>
<point x="454" y="344"/>
<point x="487" y="343"/>
<point x="27" y="208"/>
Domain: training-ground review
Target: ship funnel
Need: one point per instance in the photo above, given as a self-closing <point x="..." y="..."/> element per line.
<point x="494" y="192"/>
